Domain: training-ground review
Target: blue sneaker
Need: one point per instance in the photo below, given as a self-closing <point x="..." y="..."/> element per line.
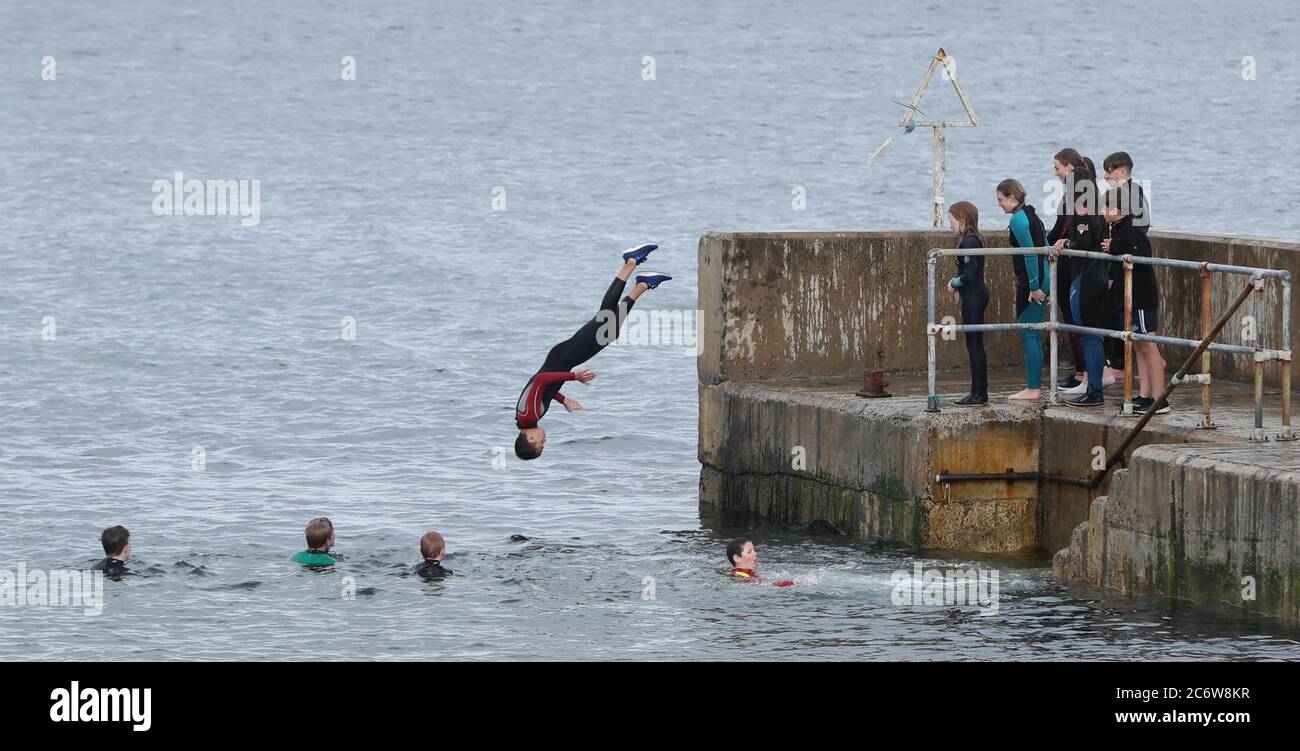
<point x="652" y="280"/>
<point x="639" y="253"/>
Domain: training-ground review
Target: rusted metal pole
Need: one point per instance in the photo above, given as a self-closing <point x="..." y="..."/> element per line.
<point x="944" y="478"/>
<point x="1118" y="455"/>
<point x="1258" y="330"/>
<point x="1206" y="422"/>
<point x="1127" y="409"/>
<point x="1285" y="433"/>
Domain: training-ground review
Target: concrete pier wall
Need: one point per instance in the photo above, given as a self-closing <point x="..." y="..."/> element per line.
<point x="1206" y="523"/>
<point x="828" y="304"/>
<point x="792" y="318"/>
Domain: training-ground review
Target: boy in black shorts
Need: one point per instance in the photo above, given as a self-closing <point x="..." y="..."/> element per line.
<point x="1125" y="238"/>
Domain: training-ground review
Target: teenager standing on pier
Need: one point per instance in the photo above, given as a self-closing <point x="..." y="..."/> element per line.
<point x="1032" y="281"/>
<point x="964" y="219"/>
<point x="1090" y="290"/>
<point x="1068" y="165"/>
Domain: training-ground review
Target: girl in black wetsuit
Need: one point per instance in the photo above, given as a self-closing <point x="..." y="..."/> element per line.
<point x="964" y="219"/>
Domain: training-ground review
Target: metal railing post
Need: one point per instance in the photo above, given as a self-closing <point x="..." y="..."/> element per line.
<point x="1127" y="408"/>
<point x="1285" y="433"/>
<point x="932" y="403"/>
<point x="1206" y="422"/>
<point x="1053" y="397"/>
<point x="1257" y="329"/>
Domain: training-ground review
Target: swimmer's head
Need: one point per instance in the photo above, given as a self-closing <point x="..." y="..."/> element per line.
<point x="741" y="553"/>
<point x="116" y="542"/>
<point x="530" y="443"/>
<point x="432" y="546"/>
<point x="320" y="534"/>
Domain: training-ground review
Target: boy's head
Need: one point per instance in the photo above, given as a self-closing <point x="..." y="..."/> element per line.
<point x="741" y="553"/>
<point x="116" y="542"/>
<point x="432" y="546"/>
<point x="320" y="534"/>
<point x="530" y="443"/>
<point x="1118" y="167"/>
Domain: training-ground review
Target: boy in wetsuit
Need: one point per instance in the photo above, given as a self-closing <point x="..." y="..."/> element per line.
<point x="320" y="538"/>
<point x="117" y="546"/>
<point x="432" y="548"/>
<point x="577" y="349"/>
<point x="743" y="559"/>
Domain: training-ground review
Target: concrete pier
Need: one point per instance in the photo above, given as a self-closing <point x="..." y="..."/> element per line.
<point x="791" y="319"/>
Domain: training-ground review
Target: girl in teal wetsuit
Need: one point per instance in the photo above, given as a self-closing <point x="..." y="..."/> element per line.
<point x="1032" y="282"/>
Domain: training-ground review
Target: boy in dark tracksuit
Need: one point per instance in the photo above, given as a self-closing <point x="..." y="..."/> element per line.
<point x="1125" y="237"/>
<point x="1117" y="169"/>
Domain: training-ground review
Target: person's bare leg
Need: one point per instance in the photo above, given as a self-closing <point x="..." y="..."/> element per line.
<point x="1143" y="359"/>
<point x="637" y="290"/>
<point x="1157" y="364"/>
<point x="628" y="268"/>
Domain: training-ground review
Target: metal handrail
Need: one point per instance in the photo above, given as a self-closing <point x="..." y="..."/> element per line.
<point x="1259" y="353"/>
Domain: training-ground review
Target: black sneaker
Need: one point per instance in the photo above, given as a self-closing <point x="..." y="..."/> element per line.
<point x="1142" y="405"/>
<point x="1068" y="383"/>
<point x="1090" y="399"/>
<point x="1139" y="403"/>
<point x="972" y="400"/>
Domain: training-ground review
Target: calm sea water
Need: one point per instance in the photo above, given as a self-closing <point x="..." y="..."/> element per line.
<point x="130" y="340"/>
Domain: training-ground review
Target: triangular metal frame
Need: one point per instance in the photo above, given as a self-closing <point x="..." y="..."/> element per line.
<point x="940" y="59"/>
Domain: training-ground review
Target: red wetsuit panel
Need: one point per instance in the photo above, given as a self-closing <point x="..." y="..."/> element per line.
<point x="532" y="403"/>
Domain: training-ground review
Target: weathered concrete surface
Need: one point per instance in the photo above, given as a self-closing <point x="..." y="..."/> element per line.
<point x="799" y="451"/>
<point x="810" y="451"/>
<point x="827" y="304"/>
<point x="1071" y="438"/>
<point x="1194" y="521"/>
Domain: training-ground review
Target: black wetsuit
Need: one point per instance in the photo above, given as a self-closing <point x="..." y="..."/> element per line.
<point x="974" y="301"/>
<point x="594" y="336"/>
<point x="431" y="569"/>
<point x="1065" y="273"/>
<point x="113" y="568"/>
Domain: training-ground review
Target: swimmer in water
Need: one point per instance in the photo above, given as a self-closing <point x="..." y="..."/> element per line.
<point x="594" y="336"/>
<point x="320" y="538"/>
<point x="117" y="546"/>
<point x="432" y="548"/>
<point x="743" y="559"/>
